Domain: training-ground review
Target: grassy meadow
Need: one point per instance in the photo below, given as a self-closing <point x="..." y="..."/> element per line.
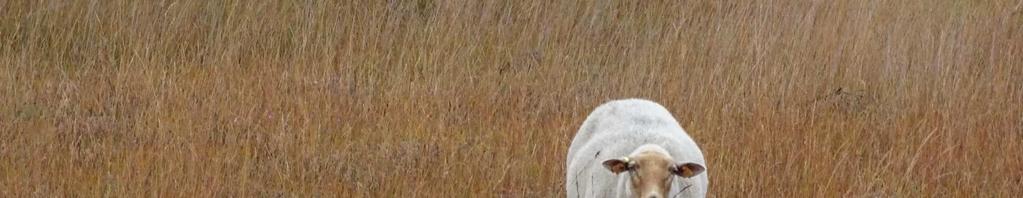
<point x="461" y="98"/>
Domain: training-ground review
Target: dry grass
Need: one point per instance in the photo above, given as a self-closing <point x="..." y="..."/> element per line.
<point x="458" y="98"/>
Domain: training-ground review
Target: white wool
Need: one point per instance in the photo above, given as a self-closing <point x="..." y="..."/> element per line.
<point x="650" y="148"/>
<point x="623" y="128"/>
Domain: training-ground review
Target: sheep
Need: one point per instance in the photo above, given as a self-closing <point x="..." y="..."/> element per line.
<point x="634" y="148"/>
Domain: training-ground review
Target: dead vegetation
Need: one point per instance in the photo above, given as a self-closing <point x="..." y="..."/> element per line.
<point x="459" y="98"/>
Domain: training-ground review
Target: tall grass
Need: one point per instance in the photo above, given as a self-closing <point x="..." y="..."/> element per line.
<point x="458" y="98"/>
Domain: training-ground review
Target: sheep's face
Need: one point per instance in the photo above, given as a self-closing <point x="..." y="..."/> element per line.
<point x="651" y="173"/>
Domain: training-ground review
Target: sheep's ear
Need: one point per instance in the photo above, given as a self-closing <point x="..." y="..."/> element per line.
<point x="617" y="165"/>
<point x="688" y="170"/>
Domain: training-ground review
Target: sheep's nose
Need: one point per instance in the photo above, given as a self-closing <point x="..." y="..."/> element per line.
<point x="653" y="196"/>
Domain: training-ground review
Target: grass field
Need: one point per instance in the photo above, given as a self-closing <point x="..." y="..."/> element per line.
<point x="481" y="98"/>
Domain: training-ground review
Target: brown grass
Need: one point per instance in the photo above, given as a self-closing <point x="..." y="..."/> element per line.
<point x="458" y="98"/>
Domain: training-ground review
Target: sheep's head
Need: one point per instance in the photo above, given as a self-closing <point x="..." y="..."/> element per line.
<point x="651" y="172"/>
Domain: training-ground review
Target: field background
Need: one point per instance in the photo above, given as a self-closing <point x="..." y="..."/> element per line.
<point x="481" y="98"/>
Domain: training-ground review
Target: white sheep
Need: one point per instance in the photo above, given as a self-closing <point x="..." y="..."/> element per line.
<point x="634" y="148"/>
